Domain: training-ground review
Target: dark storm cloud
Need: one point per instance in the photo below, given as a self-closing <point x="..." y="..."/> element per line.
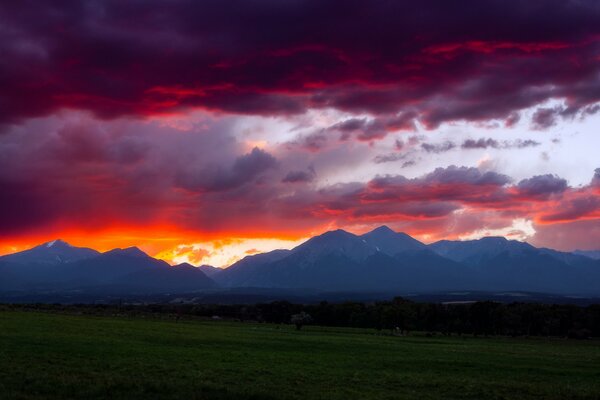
<point x="392" y="157"/>
<point x="215" y="178"/>
<point x="438" y="148"/>
<point x="521" y="144"/>
<point x="20" y="207"/>
<point x="591" y="110"/>
<point x="596" y="178"/>
<point x="473" y="176"/>
<point x="451" y="184"/>
<point x="544" y="118"/>
<point x="542" y="185"/>
<point x="123" y="176"/>
<point x="300" y="176"/>
<point x="350" y="125"/>
<point x="374" y="129"/>
<point x="313" y="142"/>
<point x="485" y="59"/>
<point x="512" y="119"/>
<point x="482" y="143"/>
<point x="574" y="209"/>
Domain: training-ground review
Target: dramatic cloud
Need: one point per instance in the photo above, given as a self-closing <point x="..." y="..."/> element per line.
<point x="193" y="122"/>
<point x="542" y="186"/>
<point x="392" y="157"/>
<point x="521" y="144"/>
<point x="480" y="144"/>
<point x="577" y="208"/>
<point x="432" y="60"/>
<point x="300" y="176"/>
<point x="495" y="144"/>
<point x="126" y="174"/>
<point x="214" y="178"/>
<point x="438" y="148"/>
<point x="473" y="176"/>
<point x="544" y="118"/>
<point x="582" y="234"/>
<point x="125" y="180"/>
<point x="191" y="253"/>
<point x="596" y="178"/>
<point x="512" y="120"/>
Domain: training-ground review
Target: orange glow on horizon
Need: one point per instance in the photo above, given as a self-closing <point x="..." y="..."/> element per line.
<point x="163" y="242"/>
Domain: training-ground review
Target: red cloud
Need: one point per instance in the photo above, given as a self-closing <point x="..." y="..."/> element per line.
<point x="485" y="59"/>
<point x="71" y="176"/>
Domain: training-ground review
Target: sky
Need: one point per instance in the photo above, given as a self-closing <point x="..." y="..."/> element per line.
<point x="208" y="131"/>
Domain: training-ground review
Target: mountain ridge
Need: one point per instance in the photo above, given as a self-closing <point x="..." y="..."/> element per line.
<point x="379" y="260"/>
<point x="81" y="268"/>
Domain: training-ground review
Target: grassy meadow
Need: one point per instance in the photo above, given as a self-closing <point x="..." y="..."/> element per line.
<point x="55" y="356"/>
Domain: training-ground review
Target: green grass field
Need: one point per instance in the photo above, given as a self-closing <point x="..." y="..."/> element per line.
<point x="52" y="356"/>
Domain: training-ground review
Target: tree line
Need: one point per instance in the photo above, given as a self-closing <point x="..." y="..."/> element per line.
<point x="399" y="316"/>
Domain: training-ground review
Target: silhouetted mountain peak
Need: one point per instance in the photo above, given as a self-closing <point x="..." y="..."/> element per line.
<point x="337" y="242"/>
<point x="390" y="242"/>
<point x="209" y="270"/>
<point x="53" y="252"/>
<point x="183" y="265"/>
<point x="382" y="230"/>
<point x="56" y="243"/>
<point x="336" y="234"/>
<point x="129" y="252"/>
<point x="381" y="260"/>
<point x="328" y="239"/>
<point x="494" y="239"/>
<point x="476" y="250"/>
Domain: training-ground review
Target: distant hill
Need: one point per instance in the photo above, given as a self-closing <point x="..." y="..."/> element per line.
<point x="595" y="254"/>
<point x="477" y="251"/>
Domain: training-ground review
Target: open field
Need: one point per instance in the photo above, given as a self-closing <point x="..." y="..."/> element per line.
<point x="54" y="356"/>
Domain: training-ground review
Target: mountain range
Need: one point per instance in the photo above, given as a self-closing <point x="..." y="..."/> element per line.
<point x="379" y="261"/>
<point x="58" y="266"/>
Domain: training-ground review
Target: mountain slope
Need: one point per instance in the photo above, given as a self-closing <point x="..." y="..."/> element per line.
<point x="383" y="260"/>
<point x="501" y="264"/>
<point x="378" y="261"/>
<point x="335" y="243"/>
<point x="593" y="254"/>
<point x="477" y="251"/>
<point x="41" y="266"/>
<point x="129" y="270"/>
<point x="327" y="261"/>
<point x="246" y="270"/>
<point x="209" y="270"/>
<point x="179" y="278"/>
<point x="386" y="240"/>
<point x="54" y="252"/>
